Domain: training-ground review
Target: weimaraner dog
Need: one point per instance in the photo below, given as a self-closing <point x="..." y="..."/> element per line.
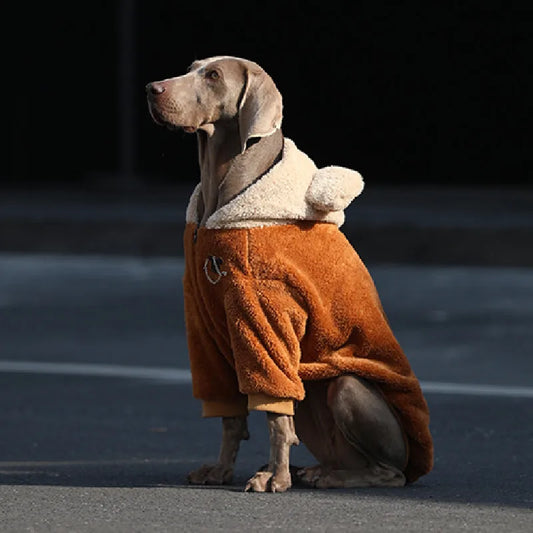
<point x="343" y="420"/>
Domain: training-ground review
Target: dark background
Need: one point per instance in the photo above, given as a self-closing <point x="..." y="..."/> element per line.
<point x="411" y="97"/>
<point x="404" y="92"/>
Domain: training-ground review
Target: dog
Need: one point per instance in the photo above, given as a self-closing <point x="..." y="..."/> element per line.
<point x="274" y="323"/>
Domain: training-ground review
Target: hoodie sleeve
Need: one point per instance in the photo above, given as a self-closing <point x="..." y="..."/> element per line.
<point x="266" y="325"/>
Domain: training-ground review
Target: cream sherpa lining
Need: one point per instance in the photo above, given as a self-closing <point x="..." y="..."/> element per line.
<point x="294" y="189"/>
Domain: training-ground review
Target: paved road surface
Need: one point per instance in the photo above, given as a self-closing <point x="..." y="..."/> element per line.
<point x="400" y="224"/>
<point x="95" y="437"/>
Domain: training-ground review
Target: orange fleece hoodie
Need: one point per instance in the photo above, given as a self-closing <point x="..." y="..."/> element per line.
<point x="271" y="303"/>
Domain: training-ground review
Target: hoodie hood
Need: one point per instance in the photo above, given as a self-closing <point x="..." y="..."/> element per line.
<point x="294" y="189"/>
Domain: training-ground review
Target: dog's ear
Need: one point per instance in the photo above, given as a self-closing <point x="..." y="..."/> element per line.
<point x="260" y="108"/>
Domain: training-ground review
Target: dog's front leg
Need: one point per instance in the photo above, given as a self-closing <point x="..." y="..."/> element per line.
<point x="234" y="429"/>
<point x="277" y="477"/>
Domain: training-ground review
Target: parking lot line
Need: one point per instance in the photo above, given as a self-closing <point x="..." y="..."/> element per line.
<point x="176" y="375"/>
<point x="183" y="376"/>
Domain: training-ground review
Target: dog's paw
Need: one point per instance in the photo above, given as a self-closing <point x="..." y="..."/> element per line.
<point x="309" y="475"/>
<point x="211" y="475"/>
<point x="320" y="477"/>
<point x="268" y="482"/>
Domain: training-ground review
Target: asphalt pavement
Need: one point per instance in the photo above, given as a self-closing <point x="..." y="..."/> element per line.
<point x="404" y="224"/>
<point x="99" y="427"/>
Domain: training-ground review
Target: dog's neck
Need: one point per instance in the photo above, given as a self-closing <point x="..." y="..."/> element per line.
<point x="225" y="171"/>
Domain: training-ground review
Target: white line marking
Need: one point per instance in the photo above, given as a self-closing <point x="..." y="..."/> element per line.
<point x="183" y="376"/>
<point x="472" y="389"/>
<point x="175" y="375"/>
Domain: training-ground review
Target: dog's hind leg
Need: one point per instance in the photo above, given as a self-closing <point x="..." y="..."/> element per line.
<point x="349" y="427"/>
<point x="276" y="477"/>
<point x="234" y="429"/>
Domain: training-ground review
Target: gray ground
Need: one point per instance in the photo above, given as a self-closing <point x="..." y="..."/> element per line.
<point x="92" y="453"/>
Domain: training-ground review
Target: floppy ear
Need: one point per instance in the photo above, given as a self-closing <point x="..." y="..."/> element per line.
<point x="261" y="107"/>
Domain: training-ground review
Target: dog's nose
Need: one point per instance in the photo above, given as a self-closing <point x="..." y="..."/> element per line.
<point x="155" y="88"/>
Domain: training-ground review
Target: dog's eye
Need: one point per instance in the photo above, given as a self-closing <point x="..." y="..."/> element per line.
<point x="212" y="75"/>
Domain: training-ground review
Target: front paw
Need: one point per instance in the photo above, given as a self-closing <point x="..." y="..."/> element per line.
<point x="268" y="482"/>
<point x="216" y="474"/>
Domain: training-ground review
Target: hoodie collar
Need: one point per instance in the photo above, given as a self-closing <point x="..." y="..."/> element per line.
<point x="278" y="197"/>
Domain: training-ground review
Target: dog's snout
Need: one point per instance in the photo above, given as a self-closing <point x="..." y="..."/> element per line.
<point x="155" y="88"/>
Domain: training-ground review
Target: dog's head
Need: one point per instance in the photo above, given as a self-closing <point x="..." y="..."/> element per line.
<point x="217" y="89"/>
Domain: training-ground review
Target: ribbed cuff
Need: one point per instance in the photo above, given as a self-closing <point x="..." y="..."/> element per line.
<point x="216" y="408"/>
<point x="262" y="402"/>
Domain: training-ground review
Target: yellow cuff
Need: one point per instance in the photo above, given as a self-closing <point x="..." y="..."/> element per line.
<point x="262" y="402"/>
<point x="216" y="408"/>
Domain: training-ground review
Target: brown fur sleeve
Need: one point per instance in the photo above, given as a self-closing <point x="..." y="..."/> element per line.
<point x="266" y="325"/>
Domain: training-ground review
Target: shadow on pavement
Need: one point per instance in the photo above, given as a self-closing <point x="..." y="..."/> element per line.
<point x="98" y="432"/>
